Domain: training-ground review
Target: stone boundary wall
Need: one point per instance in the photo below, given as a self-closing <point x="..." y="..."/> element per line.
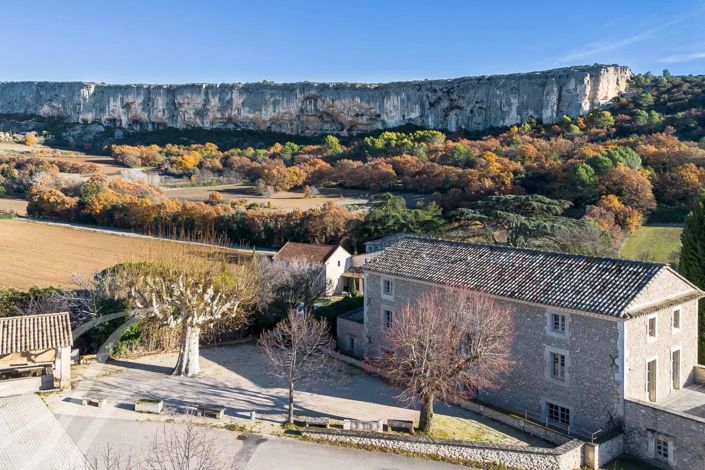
<point x="565" y="457"/>
<point x="687" y="432"/>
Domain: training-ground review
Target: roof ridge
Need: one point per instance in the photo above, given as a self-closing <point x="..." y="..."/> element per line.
<point x="32" y="315"/>
<point x="533" y="250"/>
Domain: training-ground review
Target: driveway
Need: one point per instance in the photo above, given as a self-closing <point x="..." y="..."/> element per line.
<point x="238" y="451"/>
<point x="236" y="377"/>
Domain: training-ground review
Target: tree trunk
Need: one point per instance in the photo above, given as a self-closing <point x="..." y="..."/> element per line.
<point x="426" y="414"/>
<point x="188" y="363"/>
<point x="291" y="402"/>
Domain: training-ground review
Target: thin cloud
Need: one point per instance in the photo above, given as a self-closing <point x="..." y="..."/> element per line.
<point x="618" y="44"/>
<point x="678" y="59"/>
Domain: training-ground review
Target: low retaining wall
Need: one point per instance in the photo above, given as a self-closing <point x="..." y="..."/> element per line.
<point x="565" y="457"/>
<point x="597" y="455"/>
<point x="699" y="374"/>
<point x="26" y="385"/>
<point x="644" y="421"/>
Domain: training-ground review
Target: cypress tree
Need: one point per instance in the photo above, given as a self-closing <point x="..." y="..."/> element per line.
<point x="692" y="263"/>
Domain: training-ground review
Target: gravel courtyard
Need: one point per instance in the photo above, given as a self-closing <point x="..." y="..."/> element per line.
<point x="236" y="377"/>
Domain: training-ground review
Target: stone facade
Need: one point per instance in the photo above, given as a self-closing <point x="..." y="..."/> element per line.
<point x="345" y="329"/>
<point x="644" y="422"/>
<point x="565" y="457"/>
<point x="528" y="387"/>
<point x="471" y="103"/>
<point x="640" y="349"/>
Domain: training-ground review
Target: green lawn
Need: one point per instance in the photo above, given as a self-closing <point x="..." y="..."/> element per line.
<point x="653" y="244"/>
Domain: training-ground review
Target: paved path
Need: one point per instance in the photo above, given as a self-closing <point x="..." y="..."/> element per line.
<point x="236" y="377"/>
<point x="238" y="451"/>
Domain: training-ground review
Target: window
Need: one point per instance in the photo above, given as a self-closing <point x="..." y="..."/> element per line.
<point x="558" y="323"/>
<point x="338" y="263"/>
<point x="676" y="369"/>
<point x="651" y="380"/>
<point x="651" y="328"/>
<point x="676" y="324"/>
<point x="558" y="414"/>
<point x="662" y="449"/>
<point x="557" y="365"/>
<point x="351" y="343"/>
<point x="388" y="288"/>
<point x="388" y="318"/>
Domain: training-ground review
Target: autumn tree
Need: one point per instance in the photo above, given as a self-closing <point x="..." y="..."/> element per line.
<point x="187" y="291"/>
<point x="692" y="262"/>
<point x="446" y="345"/>
<point x="30" y="139"/>
<point x="296" y="348"/>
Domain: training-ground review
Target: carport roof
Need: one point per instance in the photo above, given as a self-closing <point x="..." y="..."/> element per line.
<point x="34" y="332"/>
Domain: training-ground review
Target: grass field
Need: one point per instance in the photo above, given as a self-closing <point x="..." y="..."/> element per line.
<point x="652" y="243"/>
<point x="35" y="254"/>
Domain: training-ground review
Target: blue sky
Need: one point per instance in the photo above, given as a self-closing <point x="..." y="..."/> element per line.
<point x="179" y="41"/>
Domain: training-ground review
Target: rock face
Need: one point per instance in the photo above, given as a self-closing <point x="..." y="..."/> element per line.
<point x="472" y="103"/>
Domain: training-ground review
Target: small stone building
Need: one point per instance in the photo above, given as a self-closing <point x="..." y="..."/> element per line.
<point x="334" y="258"/>
<point x="35" y="353"/>
<point x="600" y="345"/>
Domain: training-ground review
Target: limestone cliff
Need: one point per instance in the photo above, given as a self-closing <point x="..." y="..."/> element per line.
<point x="471" y="103"/>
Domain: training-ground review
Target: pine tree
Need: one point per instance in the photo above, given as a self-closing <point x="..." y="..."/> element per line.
<point x="692" y="262"/>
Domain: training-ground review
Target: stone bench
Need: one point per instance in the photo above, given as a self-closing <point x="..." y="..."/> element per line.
<point x="401" y="425"/>
<point x="94" y="401"/>
<point x="321" y="422"/>
<point x="210" y="411"/>
<point x="355" y="425"/>
<point x="149" y="405"/>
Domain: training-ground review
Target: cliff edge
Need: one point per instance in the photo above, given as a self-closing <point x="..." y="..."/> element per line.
<point x="470" y="103"/>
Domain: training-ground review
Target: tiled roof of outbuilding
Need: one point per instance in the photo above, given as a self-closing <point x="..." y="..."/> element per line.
<point x="590" y="284"/>
<point x="309" y="252"/>
<point x="34" y="332"/>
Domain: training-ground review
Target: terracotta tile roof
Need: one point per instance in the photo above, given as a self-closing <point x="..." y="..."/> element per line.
<point x="34" y="332"/>
<point x="307" y="251"/>
<point x="32" y="438"/>
<point x="589" y="284"/>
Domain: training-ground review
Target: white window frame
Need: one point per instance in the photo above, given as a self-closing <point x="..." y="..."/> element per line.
<point x="387" y="323"/>
<point x="646" y="379"/>
<point x="680" y="369"/>
<point x="654" y="338"/>
<point x="548" y="352"/>
<point x="653" y="448"/>
<point x="676" y="329"/>
<point x="385" y="295"/>
<point x="549" y="324"/>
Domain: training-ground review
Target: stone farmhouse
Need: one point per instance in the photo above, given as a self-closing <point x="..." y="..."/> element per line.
<point x="601" y="347"/>
<point x="334" y="258"/>
<point x="35" y="353"/>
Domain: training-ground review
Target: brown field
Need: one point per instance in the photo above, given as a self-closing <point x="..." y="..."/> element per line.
<point x="286" y="200"/>
<point x="36" y="254"/>
<point x="105" y="163"/>
<point x="18" y="206"/>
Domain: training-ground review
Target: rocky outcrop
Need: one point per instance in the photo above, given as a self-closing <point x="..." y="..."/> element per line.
<point x="472" y="103"/>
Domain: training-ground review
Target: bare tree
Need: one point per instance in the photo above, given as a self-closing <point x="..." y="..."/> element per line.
<point x="446" y="346"/>
<point x="188" y="291"/>
<point x="187" y="448"/>
<point x="297" y="350"/>
<point x="290" y="283"/>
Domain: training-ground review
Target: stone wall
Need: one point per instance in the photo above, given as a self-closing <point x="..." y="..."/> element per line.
<point x="644" y="421"/>
<point x="565" y="457"/>
<point x="346" y="328"/>
<point x="593" y="387"/>
<point x="641" y="349"/>
<point x="471" y="103"/>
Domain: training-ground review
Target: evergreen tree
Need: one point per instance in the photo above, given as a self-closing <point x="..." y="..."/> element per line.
<point x="692" y="262"/>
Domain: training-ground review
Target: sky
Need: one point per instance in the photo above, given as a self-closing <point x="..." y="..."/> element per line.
<point x="184" y="41"/>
